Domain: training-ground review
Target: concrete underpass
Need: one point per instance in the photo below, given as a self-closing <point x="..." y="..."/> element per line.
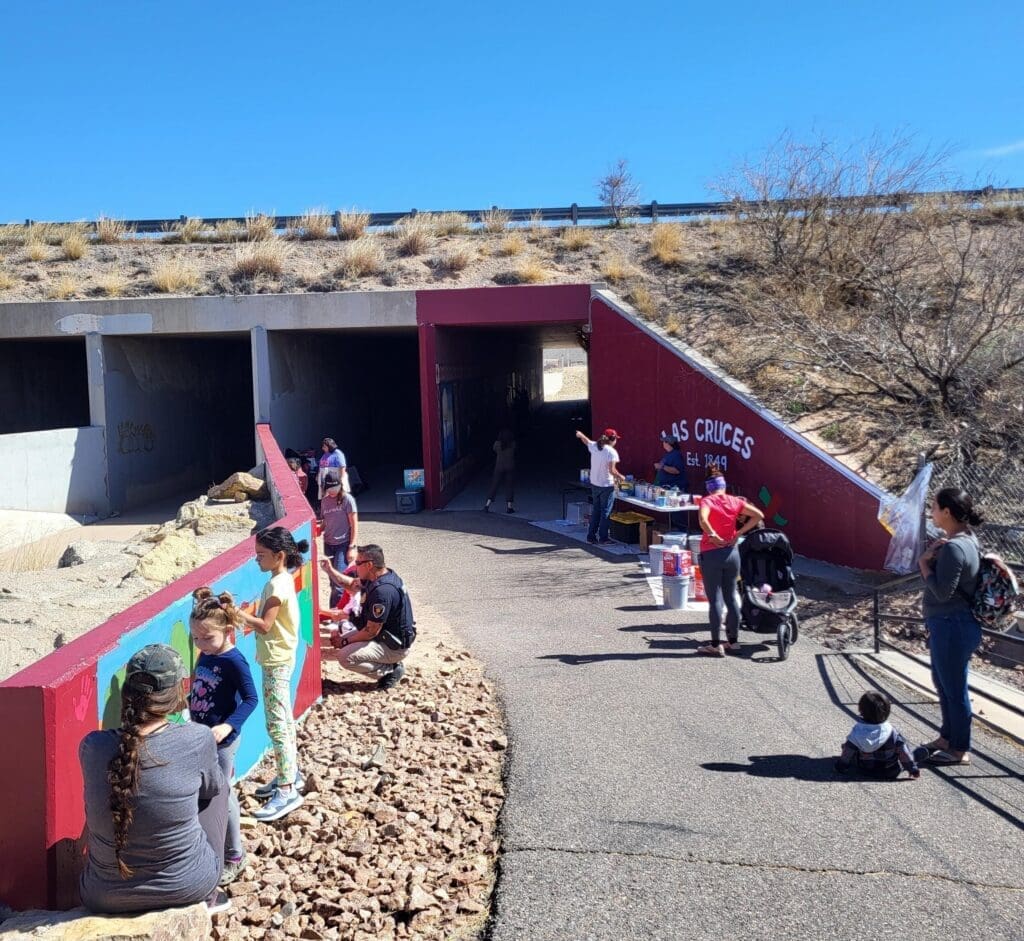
<point x="43" y="385"/>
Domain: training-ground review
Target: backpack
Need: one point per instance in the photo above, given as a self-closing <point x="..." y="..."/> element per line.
<point x="997" y="594"/>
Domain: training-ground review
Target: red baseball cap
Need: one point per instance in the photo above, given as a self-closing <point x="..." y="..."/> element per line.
<point x="611" y="433"/>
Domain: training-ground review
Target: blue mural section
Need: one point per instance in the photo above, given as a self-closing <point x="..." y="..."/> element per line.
<point x="170" y="626"/>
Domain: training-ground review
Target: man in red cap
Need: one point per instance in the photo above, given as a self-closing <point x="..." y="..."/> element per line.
<point x="604" y="471"/>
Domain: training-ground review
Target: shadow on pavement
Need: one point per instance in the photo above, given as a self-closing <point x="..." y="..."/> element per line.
<point x="799" y="767"/>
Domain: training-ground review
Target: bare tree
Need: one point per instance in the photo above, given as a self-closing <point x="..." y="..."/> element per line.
<point x="618" y="191"/>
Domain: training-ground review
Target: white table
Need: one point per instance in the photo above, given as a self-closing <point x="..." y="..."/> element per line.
<point x="669" y="510"/>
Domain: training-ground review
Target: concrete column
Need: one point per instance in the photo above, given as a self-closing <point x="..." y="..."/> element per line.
<point x="260" y="374"/>
<point x="95" y="375"/>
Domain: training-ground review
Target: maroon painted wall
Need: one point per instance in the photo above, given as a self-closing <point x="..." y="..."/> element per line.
<point x="642" y="387"/>
<point x="442" y="356"/>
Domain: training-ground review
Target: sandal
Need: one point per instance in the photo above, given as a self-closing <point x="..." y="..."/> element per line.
<point x="733" y="646"/>
<point x="709" y="651"/>
<point x="945" y="758"/>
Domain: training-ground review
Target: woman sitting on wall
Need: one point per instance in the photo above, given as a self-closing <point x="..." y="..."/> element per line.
<point x="155" y="799"/>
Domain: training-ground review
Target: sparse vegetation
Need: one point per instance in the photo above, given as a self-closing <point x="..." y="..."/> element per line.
<point x="615" y="269"/>
<point x="512" y="244"/>
<point x="362" y="258"/>
<point x="352" y="225"/>
<point x="450" y="223"/>
<point x="185" y="230"/>
<point x="673" y="325"/>
<point x="666" y="242"/>
<point x="642" y="299"/>
<point x="110" y="231"/>
<point x="453" y="259"/>
<point x="412" y="235"/>
<point x="618" y="191"/>
<point x="575" y="238"/>
<point x="63" y="288"/>
<point x="259" y="227"/>
<point x="36" y="250"/>
<point x="312" y="224"/>
<point x="113" y="283"/>
<point x="74" y="245"/>
<point x="176" y="275"/>
<point x="228" y="230"/>
<point x="263" y="257"/>
<point x="7" y="280"/>
<point x="531" y="271"/>
<point x="495" y="220"/>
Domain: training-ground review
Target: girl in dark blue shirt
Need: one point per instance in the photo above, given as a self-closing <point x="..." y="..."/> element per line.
<point x="222" y="697"/>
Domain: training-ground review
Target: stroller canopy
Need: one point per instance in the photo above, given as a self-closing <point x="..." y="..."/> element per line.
<point x="766" y="558"/>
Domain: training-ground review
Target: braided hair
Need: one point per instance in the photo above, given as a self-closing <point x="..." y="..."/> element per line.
<point x="138" y="707"/>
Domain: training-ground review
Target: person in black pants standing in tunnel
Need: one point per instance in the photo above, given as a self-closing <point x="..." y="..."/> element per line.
<point x="504" y="469"/>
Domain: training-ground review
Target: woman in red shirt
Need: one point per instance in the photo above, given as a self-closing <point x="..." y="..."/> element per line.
<point x="720" y="559"/>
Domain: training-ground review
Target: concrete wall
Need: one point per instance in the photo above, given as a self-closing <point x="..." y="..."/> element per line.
<point x="49" y="707"/>
<point x="178" y="413"/>
<point x="58" y="471"/>
<point x="42" y="385"/>
<point x="643" y="384"/>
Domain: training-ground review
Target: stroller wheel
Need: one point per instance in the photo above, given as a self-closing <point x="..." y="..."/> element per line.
<point x="795" y="632"/>
<point x="784" y="638"/>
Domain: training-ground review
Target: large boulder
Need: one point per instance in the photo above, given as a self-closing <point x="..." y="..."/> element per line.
<point x="173" y="924"/>
<point x="238" y="487"/>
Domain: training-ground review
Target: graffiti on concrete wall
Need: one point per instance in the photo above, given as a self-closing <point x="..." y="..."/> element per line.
<point x="135" y="439"/>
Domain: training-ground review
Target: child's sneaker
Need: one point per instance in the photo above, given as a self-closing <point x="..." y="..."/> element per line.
<point x="218" y="902"/>
<point x="279" y="805"/>
<point x="233" y="868"/>
<point x="267" y="790"/>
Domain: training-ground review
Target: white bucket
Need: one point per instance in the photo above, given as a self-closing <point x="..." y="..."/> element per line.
<point x="675" y="590"/>
<point x="674" y="539"/>
<point x="655" y="552"/>
<point x="694" y="543"/>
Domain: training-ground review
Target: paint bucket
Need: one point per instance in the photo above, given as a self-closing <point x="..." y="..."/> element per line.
<point x="675" y="590"/>
<point x="670" y="561"/>
<point x="674" y="539"/>
<point x="694" y="543"/>
<point x="655" y="553"/>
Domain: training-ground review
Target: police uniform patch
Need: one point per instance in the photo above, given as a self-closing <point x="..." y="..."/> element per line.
<point x="377" y="611"/>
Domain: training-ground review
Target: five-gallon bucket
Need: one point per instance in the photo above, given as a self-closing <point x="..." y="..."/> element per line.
<point x="676" y="591"/>
<point x="655" y="553"/>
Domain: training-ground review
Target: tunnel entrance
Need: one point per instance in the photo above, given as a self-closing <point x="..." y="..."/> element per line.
<point x="490" y="378"/>
<point x="179" y="414"/>
<point x="43" y="385"/>
<point x="360" y="387"/>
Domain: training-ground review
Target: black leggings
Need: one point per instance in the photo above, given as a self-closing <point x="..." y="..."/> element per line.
<point x="721" y="568"/>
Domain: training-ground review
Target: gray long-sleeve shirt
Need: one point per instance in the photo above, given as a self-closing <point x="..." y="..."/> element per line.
<point x="951" y="585"/>
<point x="172" y="861"/>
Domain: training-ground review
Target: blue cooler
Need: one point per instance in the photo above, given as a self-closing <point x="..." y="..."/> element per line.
<point x="408" y="501"/>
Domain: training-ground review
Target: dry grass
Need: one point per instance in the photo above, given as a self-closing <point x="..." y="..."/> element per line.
<point x="454" y="259"/>
<point x="7" y="280"/>
<point x="530" y="271"/>
<point x="63" y="288"/>
<point x="495" y="220"/>
<point x="673" y="325"/>
<point x="643" y="300"/>
<point x="74" y="245"/>
<point x="616" y="269"/>
<point x="185" y="230"/>
<point x="450" y="223"/>
<point x="228" y="230"/>
<point x="259" y="227"/>
<point x="352" y="225"/>
<point x="256" y="258"/>
<point x="362" y="258"/>
<point x="666" y="242"/>
<point x="537" y="227"/>
<point x="312" y="224"/>
<point x="113" y="283"/>
<point x="574" y="238"/>
<point x="110" y="231"/>
<point x="512" y="244"/>
<point x="176" y="276"/>
<point x="412" y="235"/>
<point x="56" y="233"/>
<point x="37" y="251"/>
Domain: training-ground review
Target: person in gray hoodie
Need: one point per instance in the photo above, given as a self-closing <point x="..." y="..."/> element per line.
<point x="873" y="746"/>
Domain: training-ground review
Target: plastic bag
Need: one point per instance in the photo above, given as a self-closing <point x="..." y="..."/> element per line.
<point x="902" y="517"/>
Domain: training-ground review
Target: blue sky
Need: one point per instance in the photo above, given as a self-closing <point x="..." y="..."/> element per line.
<point x="144" y="109"/>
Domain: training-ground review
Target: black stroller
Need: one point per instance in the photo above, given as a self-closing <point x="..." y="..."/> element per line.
<point x="768" y="600"/>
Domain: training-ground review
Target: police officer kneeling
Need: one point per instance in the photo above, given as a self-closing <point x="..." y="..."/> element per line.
<point x="385" y="625"/>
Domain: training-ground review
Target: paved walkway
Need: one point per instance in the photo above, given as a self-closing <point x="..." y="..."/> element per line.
<point x="655" y="794"/>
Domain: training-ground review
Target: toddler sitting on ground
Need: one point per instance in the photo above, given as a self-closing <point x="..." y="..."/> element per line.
<point x="874" y="747"/>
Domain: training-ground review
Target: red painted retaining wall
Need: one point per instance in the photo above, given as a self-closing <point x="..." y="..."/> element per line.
<point x="47" y="708"/>
<point x="642" y="385"/>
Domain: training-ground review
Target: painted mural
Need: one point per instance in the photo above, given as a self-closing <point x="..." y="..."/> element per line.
<point x="170" y="626"/>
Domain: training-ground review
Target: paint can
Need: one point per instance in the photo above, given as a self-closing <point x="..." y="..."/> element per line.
<point x="675" y="590"/>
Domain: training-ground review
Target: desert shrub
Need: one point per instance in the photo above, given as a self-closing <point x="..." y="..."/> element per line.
<point x="312" y="224"/>
<point x="263" y="257"/>
<point x="666" y="243"/>
<point x="574" y="238"/>
<point x="616" y="269"/>
<point x="450" y="223"/>
<point x="352" y="225"/>
<point x="362" y="258"/>
<point x="259" y="227"/>
<point x="454" y="259"/>
<point x="64" y="287"/>
<point x="7" y="280"/>
<point x="512" y="244"/>
<point x="412" y="235"/>
<point x="109" y="231"/>
<point x="643" y="300"/>
<point x="673" y="325"/>
<point x="112" y="283"/>
<point x="37" y="251"/>
<point x="176" y="275"/>
<point x="228" y="230"/>
<point x="185" y="230"/>
<point x="74" y="245"/>
<point x="618" y="191"/>
<point x="495" y="220"/>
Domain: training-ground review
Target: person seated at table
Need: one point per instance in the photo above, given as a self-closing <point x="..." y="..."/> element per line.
<point x="672" y="467"/>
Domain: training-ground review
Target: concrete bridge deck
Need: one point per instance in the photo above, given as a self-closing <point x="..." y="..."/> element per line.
<point x="656" y="794"/>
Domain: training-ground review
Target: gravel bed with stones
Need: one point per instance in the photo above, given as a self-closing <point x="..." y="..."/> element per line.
<point x="398" y="834"/>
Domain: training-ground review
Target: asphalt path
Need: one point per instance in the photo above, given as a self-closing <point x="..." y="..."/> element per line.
<point x="652" y="793"/>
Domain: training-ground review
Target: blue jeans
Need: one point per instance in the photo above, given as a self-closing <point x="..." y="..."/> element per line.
<point x="952" y="638"/>
<point x="603" y="500"/>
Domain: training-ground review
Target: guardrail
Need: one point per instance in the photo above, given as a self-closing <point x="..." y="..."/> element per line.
<point x="878" y="615"/>
<point x="575" y="214"/>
